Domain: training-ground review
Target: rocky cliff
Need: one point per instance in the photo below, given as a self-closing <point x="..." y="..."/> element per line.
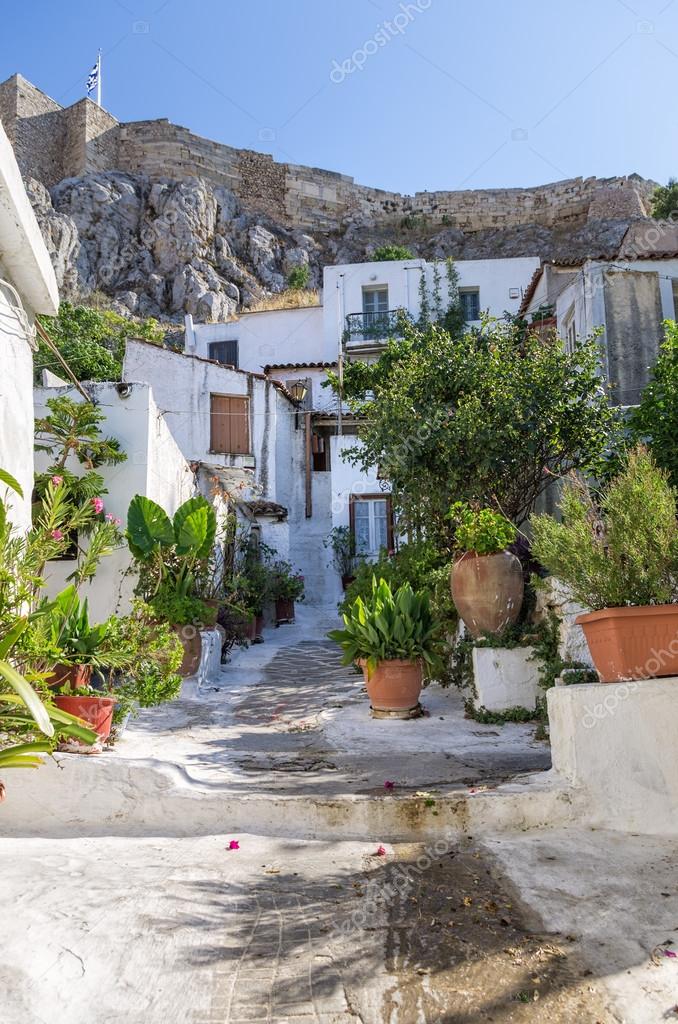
<point x="164" y="222"/>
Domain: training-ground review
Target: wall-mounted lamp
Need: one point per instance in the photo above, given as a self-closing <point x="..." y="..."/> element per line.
<point x="298" y="390"/>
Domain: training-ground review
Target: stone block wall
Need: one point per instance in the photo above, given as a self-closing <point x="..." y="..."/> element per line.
<point x="54" y="143"/>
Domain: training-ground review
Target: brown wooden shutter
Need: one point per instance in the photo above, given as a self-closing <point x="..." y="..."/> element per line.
<point x="229" y="424"/>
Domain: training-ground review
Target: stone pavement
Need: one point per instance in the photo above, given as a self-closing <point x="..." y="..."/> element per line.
<point x="164" y="931"/>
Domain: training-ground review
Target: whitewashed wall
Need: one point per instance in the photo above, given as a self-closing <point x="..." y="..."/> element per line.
<point x="271" y="336"/>
<point x="16" y="409"/>
<point x="154" y="467"/>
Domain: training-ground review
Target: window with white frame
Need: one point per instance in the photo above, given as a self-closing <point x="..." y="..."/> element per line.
<point x="371" y="524"/>
<point x="470" y="303"/>
<point x="570" y="331"/>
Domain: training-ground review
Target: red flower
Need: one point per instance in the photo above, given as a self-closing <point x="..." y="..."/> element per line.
<point x="381" y="851"/>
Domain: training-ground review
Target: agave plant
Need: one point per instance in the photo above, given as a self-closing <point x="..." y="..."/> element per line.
<point x="389" y="626"/>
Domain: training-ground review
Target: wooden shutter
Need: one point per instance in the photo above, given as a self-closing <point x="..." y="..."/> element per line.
<point x="224" y="352"/>
<point x="229" y="424"/>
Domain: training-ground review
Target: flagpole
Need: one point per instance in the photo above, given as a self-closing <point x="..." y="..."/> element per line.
<point x="99" y="80"/>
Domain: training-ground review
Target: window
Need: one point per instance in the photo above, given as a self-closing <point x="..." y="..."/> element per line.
<point x="230" y="424"/>
<point x="470" y="303"/>
<point x="224" y="352"/>
<point x="371" y="524"/>
<point x="375" y="307"/>
<point x="674" y="285"/>
<point x="570" y="330"/>
<point x="320" y="451"/>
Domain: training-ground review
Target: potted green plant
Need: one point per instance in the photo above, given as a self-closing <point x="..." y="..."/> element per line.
<point x="66" y="627"/>
<point x="170" y="555"/>
<point x="286" y="587"/>
<point x="344" y="553"/>
<point x="617" y="553"/>
<point x="486" y="579"/>
<point x="394" y="638"/>
<point x="148" y="654"/>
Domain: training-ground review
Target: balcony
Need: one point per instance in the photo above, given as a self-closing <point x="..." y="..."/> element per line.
<point x="374" y="326"/>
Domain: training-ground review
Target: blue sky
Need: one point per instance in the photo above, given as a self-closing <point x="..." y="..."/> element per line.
<point x="404" y="96"/>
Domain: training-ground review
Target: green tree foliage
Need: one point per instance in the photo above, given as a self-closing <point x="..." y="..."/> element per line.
<point x="297" y="278"/>
<point x="486" y="417"/>
<point x="665" y="200"/>
<point x="92" y="341"/>
<point x="386" y="253"/>
<point x="655" y="421"/>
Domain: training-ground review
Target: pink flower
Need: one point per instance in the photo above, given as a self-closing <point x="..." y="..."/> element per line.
<point x="97" y="505"/>
<point x="381" y="851"/>
<point x="56" y="480"/>
<point x="670" y="953"/>
<point x="388" y="784"/>
<point x="234" y="845"/>
<point x="57" y="535"/>
<point x="113" y="519"/>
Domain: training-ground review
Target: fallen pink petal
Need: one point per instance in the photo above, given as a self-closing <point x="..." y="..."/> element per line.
<point x="381" y="851"/>
<point x="389" y="785"/>
<point x="234" y="845"/>
<point x="670" y="953"/>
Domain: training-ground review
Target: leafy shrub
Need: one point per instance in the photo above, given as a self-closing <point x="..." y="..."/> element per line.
<point x="620" y="547"/>
<point x="298" y="277"/>
<point x="665" y="200"/>
<point x="655" y="421"/>
<point x="482" y="531"/>
<point x="285" y="583"/>
<point x="386" y="253"/>
<point x="92" y="341"/>
<point x="417" y="563"/>
<point x="389" y="626"/>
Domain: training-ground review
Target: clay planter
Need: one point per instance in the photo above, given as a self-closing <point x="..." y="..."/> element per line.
<point x="284" y="610"/>
<point x="250" y="629"/>
<point x="191" y="641"/>
<point x="213" y="604"/>
<point x="487" y="591"/>
<point x="259" y="629"/>
<point x="97" y="712"/>
<point x="73" y="676"/>
<point x="394" y="685"/>
<point x="632" y="643"/>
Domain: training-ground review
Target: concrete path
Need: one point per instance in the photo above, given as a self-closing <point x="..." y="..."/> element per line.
<point x="280" y="741"/>
<point x="160" y="931"/>
<point x="121" y="900"/>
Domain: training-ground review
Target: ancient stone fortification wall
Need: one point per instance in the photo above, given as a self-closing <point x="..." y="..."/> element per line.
<point x="54" y="143"/>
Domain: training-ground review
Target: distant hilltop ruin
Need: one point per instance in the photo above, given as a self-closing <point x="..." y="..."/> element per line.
<point x="53" y="143"/>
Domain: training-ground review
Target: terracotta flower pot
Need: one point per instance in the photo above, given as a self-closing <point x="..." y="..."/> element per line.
<point x="97" y="712"/>
<point x="191" y="641"/>
<point x="284" y="610"/>
<point x="633" y="643"/>
<point x="73" y="676"/>
<point x="487" y="591"/>
<point x="259" y="629"/>
<point x="394" y="685"/>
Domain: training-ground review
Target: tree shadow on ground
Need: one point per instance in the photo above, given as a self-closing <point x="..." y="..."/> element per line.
<point x="432" y="936"/>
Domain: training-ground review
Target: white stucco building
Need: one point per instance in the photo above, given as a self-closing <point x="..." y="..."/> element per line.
<point x="228" y="400"/>
<point x="27" y="286"/>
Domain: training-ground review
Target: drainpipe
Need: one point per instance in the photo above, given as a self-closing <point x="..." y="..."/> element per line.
<point x="341" y="302"/>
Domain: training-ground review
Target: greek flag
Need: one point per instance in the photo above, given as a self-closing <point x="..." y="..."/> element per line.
<point x="93" y="78"/>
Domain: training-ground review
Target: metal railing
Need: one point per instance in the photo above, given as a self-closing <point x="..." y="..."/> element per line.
<point x="374" y="326"/>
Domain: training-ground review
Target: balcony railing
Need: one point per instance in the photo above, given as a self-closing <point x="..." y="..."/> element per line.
<point x="374" y="326"/>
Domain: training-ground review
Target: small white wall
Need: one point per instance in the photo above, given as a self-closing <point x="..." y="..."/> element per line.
<point x="154" y="467"/>
<point x="348" y="479"/>
<point x="16" y="410"/>
<point x="270" y="336"/>
<point x="616" y="743"/>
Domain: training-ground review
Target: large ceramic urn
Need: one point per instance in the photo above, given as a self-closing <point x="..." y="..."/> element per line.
<point x="487" y="591"/>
